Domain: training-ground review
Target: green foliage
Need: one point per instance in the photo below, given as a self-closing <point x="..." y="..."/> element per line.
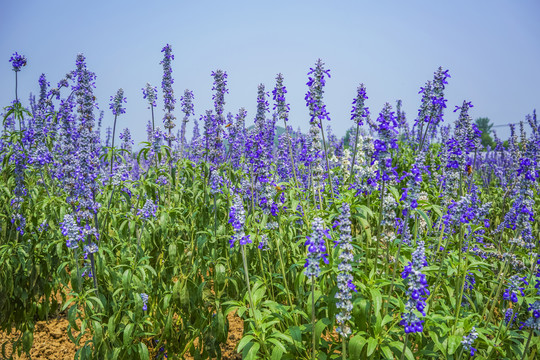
<point x="485" y="126"/>
<point x="183" y="260"/>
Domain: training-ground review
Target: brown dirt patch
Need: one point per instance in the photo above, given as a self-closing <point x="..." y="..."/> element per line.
<point x="51" y="340"/>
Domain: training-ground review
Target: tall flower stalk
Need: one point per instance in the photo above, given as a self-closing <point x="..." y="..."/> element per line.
<point x="168" y="94"/>
<point x="117" y="109"/>
<point x="187" y="109"/>
<point x="317" y="108"/>
<point x="316" y="245"/>
<point x="359" y="111"/>
<point x="345" y="278"/>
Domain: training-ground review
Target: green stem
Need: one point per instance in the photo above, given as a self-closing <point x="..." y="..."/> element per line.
<point x="313" y="353"/>
<point x="379" y="236"/>
<point x="246" y="274"/>
<point x="112" y="145"/>
<point x="527" y="345"/>
<point x="404" y="347"/>
<point x="344" y="348"/>
<point x="327" y="163"/>
<point x="284" y="276"/>
<point x="355" y="150"/>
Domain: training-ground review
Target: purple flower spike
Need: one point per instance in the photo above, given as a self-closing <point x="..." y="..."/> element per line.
<point x="17" y="61"/>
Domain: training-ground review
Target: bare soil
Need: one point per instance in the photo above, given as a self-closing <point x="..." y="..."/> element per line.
<point x="51" y="340"/>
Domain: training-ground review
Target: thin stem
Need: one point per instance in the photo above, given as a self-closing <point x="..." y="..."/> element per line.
<point x="313" y="353"/>
<point x="379" y="237"/>
<point x="404" y="346"/>
<point x="355" y="150"/>
<point x="246" y="275"/>
<point x="112" y="145"/>
<point x="16" y="85"/>
<point x="327" y="164"/>
<point x="344" y="348"/>
<point x="527" y="345"/>
<point x="290" y="153"/>
<point x="284" y="275"/>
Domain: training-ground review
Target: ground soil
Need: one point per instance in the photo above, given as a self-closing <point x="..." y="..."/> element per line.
<point x="51" y="340"/>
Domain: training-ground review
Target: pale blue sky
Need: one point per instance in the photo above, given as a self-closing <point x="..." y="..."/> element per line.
<point x="492" y="49"/>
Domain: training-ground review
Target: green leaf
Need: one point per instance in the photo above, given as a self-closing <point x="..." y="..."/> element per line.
<point x="278" y="344"/>
<point x="127" y="334"/>
<point x="143" y="353"/>
<point x="296" y="334"/>
<point x="387" y="352"/>
<point x="111" y="330"/>
<point x="356" y="345"/>
<point x="319" y="328"/>
<point x="372" y="344"/>
<point x="397" y="346"/>
<point x="244" y="341"/>
<point x="377" y="299"/>
<point x="98" y="333"/>
<point x="252" y="353"/>
<point x="453" y="343"/>
<point x="277" y="353"/>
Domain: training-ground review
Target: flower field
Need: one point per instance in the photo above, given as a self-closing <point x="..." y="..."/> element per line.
<point x="401" y="240"/>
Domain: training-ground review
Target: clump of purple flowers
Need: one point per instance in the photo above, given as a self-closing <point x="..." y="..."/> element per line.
<point x="316" y="248"/>
<point x="417" y="291"/>
<point x="359" y="110"/>
<point x="168" y="95"/>
<point x="72" y="231"/>
<point x="345" y="278"/>
<point x="237" y="218"/>
<point x="148" y="210"/>
<point x="149" y="93"/>
<point x="116" y="103"/>
<point x="144" y="298"/>
<point x="515" y="286"/>
<point x="534" y="321"/>
<point x="387" y="130"/>
<point x="17" y="61"/>
<point x="468" y="340"/>
<point x="314" y="96"/>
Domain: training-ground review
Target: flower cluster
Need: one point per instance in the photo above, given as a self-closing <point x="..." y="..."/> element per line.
<point x="148" y="210"/>
<point x="387" y="141"/>
<point x="150" y="93"/>
<point x="345" y="278"/>
<point x="417" y="291"/>
<point x="237" y="218"/>
<point x="465" y="140"/>
<point x="514" y="287"/>
<point x="144" y="298"/>
<point x="116" y="103"/>
<point x="534" y="321"/>
<point x="220" y="86"/>
<point x="314" y="96"/>
<point x="316" y="247"/>
<point x="359" y="110"/>
<point x="468" y="340"/>
<point x="433" y="105"/>
<point x="17" y="61"/>
<point x="72" y="231"/>
<point x="281" y="106"/>
<point x="168" y="95"/>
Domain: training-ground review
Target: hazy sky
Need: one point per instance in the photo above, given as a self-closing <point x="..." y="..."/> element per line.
<point x="492" y="49"/>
